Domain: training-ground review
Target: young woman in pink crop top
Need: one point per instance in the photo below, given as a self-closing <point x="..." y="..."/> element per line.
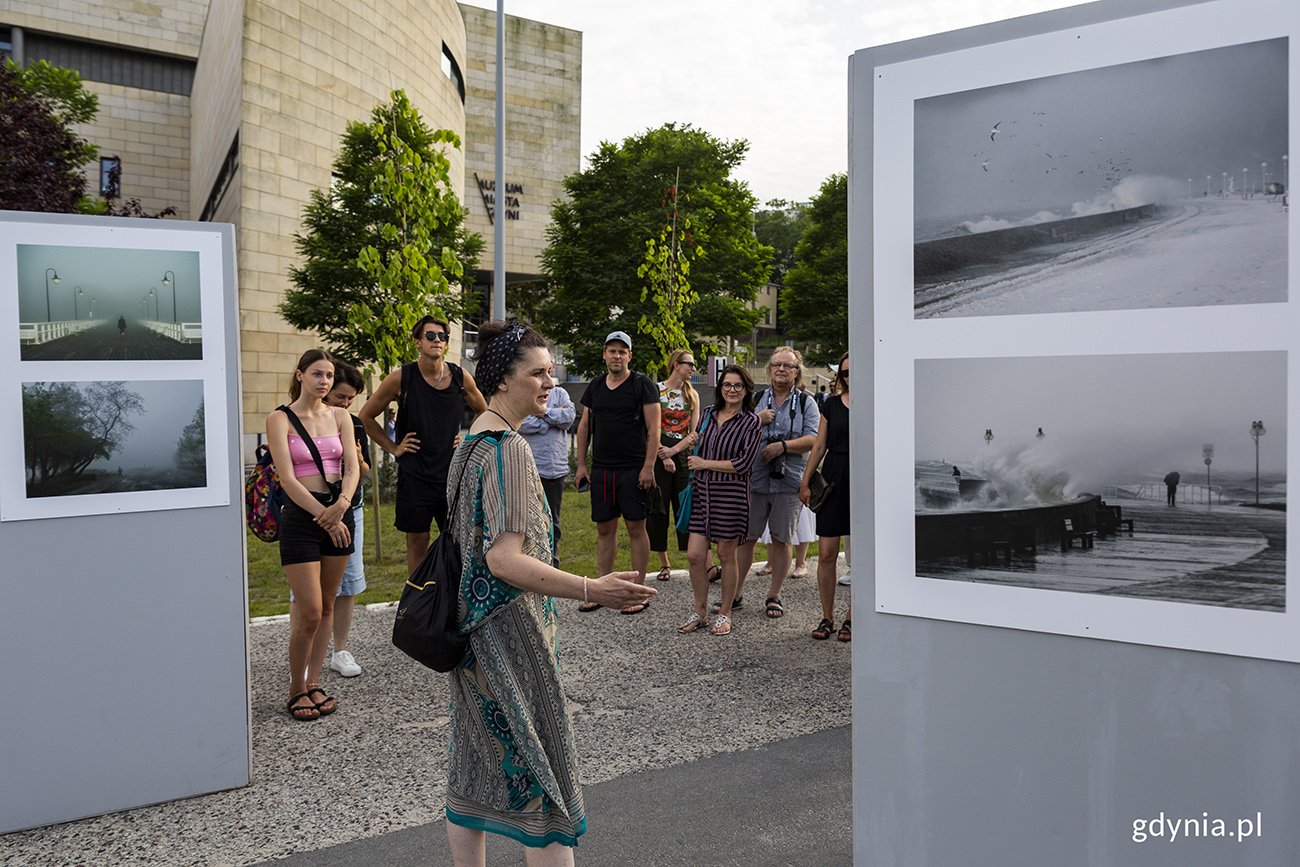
<point x="315" y="528"/>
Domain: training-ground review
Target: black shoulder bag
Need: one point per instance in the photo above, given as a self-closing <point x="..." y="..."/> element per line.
<point x="335" y="487"/>
<point x="427" y="626"/>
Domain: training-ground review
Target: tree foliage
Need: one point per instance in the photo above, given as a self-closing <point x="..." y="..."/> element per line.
<point x="667" y="272"/>
<point x="191" y="448"/>
<point x="780" y="225"/>
<point x="386" y="244"/>
<point x="66" y="428"/>
<point x="41" y="158"/>
<point x="815" y="297"/>
<point x="597" y="242"/>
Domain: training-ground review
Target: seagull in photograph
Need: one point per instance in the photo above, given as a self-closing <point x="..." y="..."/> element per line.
<point x="993" y="133"/>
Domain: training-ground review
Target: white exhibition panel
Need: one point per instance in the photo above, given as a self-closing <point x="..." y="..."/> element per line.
<point x="990" y="723"/>
<point x="125" y="615"/>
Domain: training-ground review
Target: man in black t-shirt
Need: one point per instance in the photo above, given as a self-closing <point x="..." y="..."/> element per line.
<point x="621" y="421"/>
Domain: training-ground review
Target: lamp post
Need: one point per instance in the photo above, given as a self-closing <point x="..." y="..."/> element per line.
<point x="77" y="294"/>
<point x="1207" y="186"/>
<point x="155" y="304"/>
<point x="92" y="306"/>
<point x="1189" y="188"/>
<point x="1263" y="178"/>
<point x="1223" y="190"/>
<point x="48" y="272"/>
<point x="1243" y="181"/>
<point x="1257" y="431"/>
<point x="172" y="284"/>
<point x="1286" y="179"/>
<point x="1207" y="451"/>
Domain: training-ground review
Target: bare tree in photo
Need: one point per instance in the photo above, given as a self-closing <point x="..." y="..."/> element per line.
<point x="191" y="448"/>
<point x="65" y="429"/>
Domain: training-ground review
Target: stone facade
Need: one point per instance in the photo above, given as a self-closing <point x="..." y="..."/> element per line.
<point x="282" y="78"/>
<point x="543" y="85"/>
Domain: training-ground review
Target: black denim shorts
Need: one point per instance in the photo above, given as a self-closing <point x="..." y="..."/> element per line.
<point x="302" y="540"/>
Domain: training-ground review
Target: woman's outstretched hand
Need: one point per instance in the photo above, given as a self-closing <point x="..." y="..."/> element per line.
<point x="619" y="590"/>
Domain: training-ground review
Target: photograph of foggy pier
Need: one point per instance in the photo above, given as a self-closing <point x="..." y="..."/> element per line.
<point x="106" y="304"/>
<point x="1167" y="484"/>
<point x="1158" y="183"/>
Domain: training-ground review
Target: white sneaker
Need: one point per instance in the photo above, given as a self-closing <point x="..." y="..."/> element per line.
<point x="843" y="580"/>
<point x="342" y="662"/>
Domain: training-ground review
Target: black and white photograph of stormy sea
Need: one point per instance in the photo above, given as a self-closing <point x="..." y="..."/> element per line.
<point x="1159" y="477"/>
<point x="1154" y="184"/>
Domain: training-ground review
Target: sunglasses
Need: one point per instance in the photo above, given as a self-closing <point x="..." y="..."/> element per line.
<point x="733" y="386"/>
<point x="437" y="336"/>
<point x="844" y="374"/>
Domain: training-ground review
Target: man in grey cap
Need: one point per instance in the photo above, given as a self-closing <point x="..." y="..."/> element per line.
<point x="621" y="421"/>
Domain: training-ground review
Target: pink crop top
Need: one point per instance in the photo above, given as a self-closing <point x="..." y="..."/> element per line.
<point x="331" y="455"/>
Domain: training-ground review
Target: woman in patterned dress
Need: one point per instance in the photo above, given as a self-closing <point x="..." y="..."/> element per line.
<point x="513" y="768"/>
<point x="729" y="441"/>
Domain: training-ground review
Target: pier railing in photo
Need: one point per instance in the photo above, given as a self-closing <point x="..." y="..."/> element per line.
<point x="1191" y="494"/>
<point x="34" y="333"/>
<point x="181" y="332"/>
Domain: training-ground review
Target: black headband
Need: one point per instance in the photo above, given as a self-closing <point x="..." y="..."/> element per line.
<point x="496" y="359"/>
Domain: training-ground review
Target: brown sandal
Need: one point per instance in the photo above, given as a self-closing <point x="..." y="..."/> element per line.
<point x="824" y="630"/>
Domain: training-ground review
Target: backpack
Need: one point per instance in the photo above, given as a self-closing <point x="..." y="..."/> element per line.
<point x="426" y="627"/>
<point x="263" y="497"/>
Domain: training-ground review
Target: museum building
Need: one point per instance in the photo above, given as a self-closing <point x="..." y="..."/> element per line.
<point x="232" y="111"/>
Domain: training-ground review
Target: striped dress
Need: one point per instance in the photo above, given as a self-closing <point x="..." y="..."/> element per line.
<point x="720" y="503"/>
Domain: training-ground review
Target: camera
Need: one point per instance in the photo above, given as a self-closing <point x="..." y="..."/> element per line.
<point x="776" y="469"/>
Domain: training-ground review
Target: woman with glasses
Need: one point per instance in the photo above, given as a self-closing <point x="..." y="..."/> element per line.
<point x="833" y="517"/>
<point x="679" y="415"/>
<point x="728" y="445"/>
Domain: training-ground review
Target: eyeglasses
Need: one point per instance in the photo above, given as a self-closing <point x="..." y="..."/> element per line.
<point x="437" y="336"/>
<point x="781" y="365"/>
<point x="687" y="362"/>
<point x="844" y="374"/>
<point x="733" y="386"/>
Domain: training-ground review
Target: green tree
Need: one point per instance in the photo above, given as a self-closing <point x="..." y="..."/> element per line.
<point x="191" y="448"/>
<point x="41" y="157"/>
<point x="597" y="242"/>
<point x="815" y="296"/>
<point x="780" y="225"/>
<point x="65" y="429"/>
<point x="386" y="244"/>
<point x="667" y="272"/>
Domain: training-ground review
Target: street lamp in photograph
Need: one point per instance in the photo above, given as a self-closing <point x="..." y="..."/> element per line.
<point x="1223" y="190"/>
<point x="1207" y="451"/>
<point x="48" y="272"/>
<point x="1207" y="185"/>
<point x="1286" y="179"/>
<point x="172" y="283"/>
<point x="155" y="304"/>
<point x="77" y="295"/>
<point x="1263" y="178"/>
<point x="1244" y="170"/>
<point x="1257" y="431"/>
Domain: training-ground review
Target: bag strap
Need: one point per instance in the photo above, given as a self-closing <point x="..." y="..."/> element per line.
<point x="305" y="437"/>
<point x="451" y="511"/>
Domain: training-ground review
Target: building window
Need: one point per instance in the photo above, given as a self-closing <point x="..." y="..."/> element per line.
<point x="112" y="64"/>
<point x="767" y="315"/>
<point x="110" y="177"/>
<point x="451" y="69"/>
<point x="222" y="183"/>
<point x="6" y="43"/>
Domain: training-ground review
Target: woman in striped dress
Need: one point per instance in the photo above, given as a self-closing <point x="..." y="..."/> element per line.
<point x="728" y="445"/>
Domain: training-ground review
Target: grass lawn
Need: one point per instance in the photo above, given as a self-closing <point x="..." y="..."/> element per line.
<point x="268" y="592"/>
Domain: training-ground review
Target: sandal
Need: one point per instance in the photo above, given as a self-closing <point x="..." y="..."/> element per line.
<point x="824" y="629"/>
<point x="635" y="609"/>
<point x="721" y="625"/>
<point x="774" y="607"/>
<point x="310" y="709"/>
<point x="665" y="573"/>
<point x="715" y="607"/>
<point x="585" y="607"/>
<point x="694" y="623"/>
<point x="714" y="573"/>
<point x="846" y="631"/>
<point x="312" y="689"/>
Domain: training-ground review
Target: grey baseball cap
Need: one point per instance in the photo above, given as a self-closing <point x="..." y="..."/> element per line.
<point x="620" y="336"/>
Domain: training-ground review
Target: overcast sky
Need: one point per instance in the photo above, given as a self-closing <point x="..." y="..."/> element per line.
<point x="1065" y="141"/>
<point x="118" y="280"/>
<point x="1106" y="419"/>
<point x="773" y="72"/>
